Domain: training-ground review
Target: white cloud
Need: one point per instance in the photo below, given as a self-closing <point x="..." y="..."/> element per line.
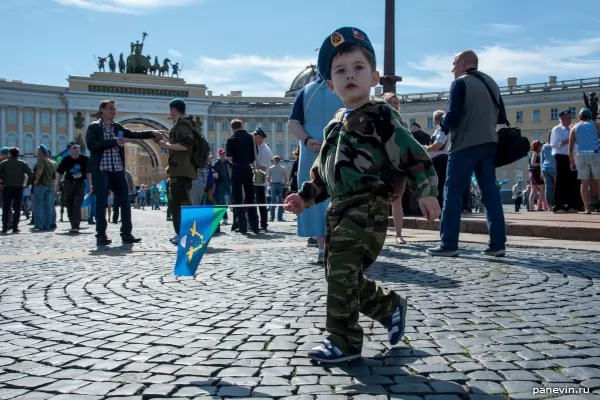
<point x="567" y="60"/>
<point x="504" y="29"/>
<point x="124" y="6"/>
<point x="174" y="53"/>
<point x="254" y="75"/>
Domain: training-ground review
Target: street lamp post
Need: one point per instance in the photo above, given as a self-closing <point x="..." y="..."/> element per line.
<point x="389" y="80"/>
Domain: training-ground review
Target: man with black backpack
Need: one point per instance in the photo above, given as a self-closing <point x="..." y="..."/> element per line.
<point x="474" y="109"/>
<point x="188" y="149"/>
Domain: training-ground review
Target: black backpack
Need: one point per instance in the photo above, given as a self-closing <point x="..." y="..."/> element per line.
<point x="201" y="149"/>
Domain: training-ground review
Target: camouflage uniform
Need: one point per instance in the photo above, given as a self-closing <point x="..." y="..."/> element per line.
<point x="362" y="161"/>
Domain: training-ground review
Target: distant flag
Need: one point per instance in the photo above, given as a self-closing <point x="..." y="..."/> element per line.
<point x="87" y="200"/>
<point x="212" y="196"/>
<point x="162" y="192"/>
<point x="198" y="224"/>
<point x="474" y="180"/>
<point x="503" y="182"/>
<point x="58" y="158"/>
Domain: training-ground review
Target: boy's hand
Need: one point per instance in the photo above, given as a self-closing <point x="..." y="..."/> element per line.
<point x="430" y="207"/>
<point x="294" y="203"/>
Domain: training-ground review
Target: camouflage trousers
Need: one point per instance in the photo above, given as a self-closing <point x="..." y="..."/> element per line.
<point x="355" y="233"/>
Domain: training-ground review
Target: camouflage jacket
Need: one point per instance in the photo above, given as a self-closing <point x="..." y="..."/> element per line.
<point x="180" y="162"/>
<point x="368" y="150"/>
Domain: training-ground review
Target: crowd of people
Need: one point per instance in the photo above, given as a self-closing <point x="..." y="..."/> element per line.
<point x="564" y="173"/>
<point x="350" y="171"/>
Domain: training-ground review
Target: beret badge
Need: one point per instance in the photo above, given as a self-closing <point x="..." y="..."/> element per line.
<point x="337" y="39"/>
<point x="358" y="35"/>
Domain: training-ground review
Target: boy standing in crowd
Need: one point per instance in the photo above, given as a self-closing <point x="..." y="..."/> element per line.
<point x="366" y="153"/>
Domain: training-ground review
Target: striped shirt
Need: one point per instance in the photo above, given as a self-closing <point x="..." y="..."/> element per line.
<point x="111" y="158"/>
<point x="201" y="178"/>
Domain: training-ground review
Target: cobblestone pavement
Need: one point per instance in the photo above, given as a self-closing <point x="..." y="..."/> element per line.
<point x="76" y="324"/>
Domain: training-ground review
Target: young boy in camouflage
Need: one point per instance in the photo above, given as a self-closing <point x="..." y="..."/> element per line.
<point x="366" y="154"/>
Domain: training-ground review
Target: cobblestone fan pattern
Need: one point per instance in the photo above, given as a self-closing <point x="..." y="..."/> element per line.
<point x="117" y="324"/>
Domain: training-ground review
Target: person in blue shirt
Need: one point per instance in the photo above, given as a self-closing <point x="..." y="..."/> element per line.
<point x="548" y="166"/>
<point x="587" y="163"/>
<point x="315" y="106"/>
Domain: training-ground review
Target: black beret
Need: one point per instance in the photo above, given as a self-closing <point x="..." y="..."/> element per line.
<point x="260" y="132"/>
<point x="564" y="112"/>
<point x="177" y="104"/>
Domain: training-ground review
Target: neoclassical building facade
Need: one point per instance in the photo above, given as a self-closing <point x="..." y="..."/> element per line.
<point x="33" y="114"/>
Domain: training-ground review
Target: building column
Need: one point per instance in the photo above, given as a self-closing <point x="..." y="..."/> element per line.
<point x="273" y="134"/>
<point x="37" y="128"/>
<point x="87" y="120"/>
<point x="54" y="144"/>
<point x="205" y="127"/>
<point x="3" y="137"/>
<point x="246" y="125"/>
<point x="70" y="125"/>
<point x="218" y="136"/>
<point x="20" y="133"/>
<point x="287" y="143"/>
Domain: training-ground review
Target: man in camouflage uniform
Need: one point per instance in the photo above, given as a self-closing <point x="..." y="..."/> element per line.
<point x="366" y="153"/>
<point x="181" y="169"/>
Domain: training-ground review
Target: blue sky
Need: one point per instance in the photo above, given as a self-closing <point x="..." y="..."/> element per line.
<point x="258" y="46"/>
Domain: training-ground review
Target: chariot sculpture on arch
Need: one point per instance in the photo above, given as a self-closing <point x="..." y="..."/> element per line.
<point x="138" y="63"/>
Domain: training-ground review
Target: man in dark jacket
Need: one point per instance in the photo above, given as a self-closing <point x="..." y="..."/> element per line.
<point x="106" y="141"/>
<point x="240" y="152"/>
<point x="422" y="137"/>
<point x="12" y="174"/>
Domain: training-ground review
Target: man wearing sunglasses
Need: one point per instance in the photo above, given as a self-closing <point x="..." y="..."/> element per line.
<point x="74" y="168"/>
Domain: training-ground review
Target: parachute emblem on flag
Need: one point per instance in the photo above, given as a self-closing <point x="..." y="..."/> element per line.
<point x="195" y="241"/>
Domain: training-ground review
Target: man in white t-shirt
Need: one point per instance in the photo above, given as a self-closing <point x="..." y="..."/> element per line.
<point x="264" y="155"/>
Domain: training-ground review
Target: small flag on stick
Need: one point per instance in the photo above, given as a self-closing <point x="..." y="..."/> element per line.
<point x="198" y="225"/>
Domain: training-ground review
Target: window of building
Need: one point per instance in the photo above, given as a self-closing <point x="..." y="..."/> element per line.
<point x="519" y="117"/>
<point x="252" y="126"/>
<point x="11" y="139"/>
<point x="28" y="117"/>
<point x="62" y="119"/>
<point x="62" y="143"/>
<point x="223" y="144"/>
<point x="293" y="147"/>
<point x="28" y="144"/>
<point x="430" y="123"/>
<point x="45" y="140"/>
<point x="279" y="126"/>
<point x="211" y="124"/>
<point x="265" y="125"/>
<point x="279" y="149"/>
<point x="412" y="121"/>
<point x="212" y="147"/>
<point x="45" y="117"/>
<point x="224" y="125"/>
<point x="573" y="111"/>
<point x="11" y="116"/>
<point x="536" y="135"/>
<point x="554" y="114"/>
<point x="536" y="116"/>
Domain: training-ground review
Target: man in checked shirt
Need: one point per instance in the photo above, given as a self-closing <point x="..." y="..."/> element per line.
<point x="106" y="141"/>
